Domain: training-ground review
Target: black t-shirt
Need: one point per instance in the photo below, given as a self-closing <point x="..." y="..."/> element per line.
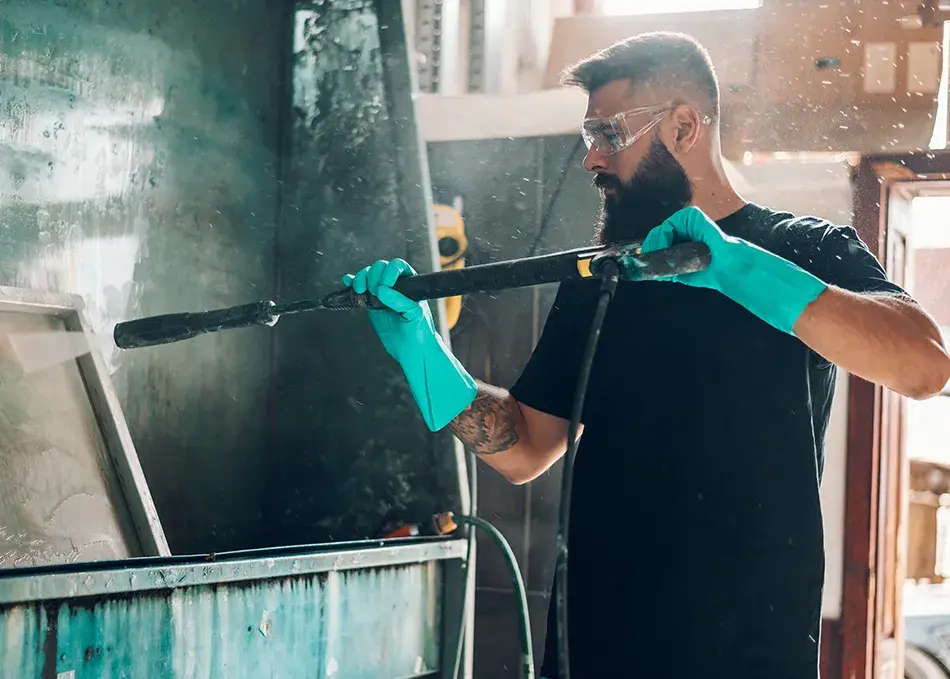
<point x="696" y="544"/>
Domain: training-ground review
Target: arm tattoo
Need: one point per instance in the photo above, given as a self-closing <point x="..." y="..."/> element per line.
<point x="488" y="425"/>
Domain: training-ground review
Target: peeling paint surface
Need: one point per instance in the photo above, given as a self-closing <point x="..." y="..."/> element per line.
<point x="360" y="623"/>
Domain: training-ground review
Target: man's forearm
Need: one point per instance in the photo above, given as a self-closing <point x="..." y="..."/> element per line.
<point x="519" y="442"/>
<point x="886" y="339"/>
<point x="490" y="424"/>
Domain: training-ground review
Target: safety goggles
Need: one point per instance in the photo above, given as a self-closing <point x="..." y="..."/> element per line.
<point x="613" y="134"/>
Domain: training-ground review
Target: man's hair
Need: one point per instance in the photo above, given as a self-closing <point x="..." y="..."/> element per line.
<point x="663" y="58"/>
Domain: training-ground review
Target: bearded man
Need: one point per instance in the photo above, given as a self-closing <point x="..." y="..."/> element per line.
<point x="696" y="530"/>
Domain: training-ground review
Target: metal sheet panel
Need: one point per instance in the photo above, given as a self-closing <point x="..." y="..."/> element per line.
<point x="369" y="623"/>
<point x="357" y="190"/>
<point x="142" y="575"/>
<point x="138" y="153"/>
<point x="71" y="488"/>
<point x="303" y="618"/>
<point x="56" y="489"/>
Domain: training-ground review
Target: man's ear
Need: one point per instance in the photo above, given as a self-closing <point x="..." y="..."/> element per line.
<point x="687" y="126"/>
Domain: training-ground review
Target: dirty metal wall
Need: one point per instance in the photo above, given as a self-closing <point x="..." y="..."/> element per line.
<point x="351" y="454"/>
<point x="506" y="186"/>
<point x="138" y="169"/>
<point x="308" y="616"/>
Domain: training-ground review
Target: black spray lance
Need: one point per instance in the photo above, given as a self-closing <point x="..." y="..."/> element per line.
<point x="517" y="273"/>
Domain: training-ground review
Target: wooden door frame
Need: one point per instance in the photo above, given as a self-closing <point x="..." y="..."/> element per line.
<point x="862" y="600"/>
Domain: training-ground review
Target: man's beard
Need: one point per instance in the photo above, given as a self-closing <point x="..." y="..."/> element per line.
<point x="658" y="188"/>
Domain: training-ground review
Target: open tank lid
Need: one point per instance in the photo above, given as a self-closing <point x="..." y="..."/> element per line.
<point x="71" y="486"/>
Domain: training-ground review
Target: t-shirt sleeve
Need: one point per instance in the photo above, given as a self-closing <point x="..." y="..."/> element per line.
<point x="548" y="380"/>
<point x="838" y="256"/>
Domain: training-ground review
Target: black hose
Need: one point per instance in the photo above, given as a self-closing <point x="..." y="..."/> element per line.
<point x="527" y="649"/>
<point x="610" y="279"/>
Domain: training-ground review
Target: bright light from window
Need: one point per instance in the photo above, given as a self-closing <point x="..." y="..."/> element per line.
<point x="941" y="122"/>
<point x="616" y="7"/>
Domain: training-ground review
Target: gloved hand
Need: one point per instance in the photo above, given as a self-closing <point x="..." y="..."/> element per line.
<point x="772" y="288"/>
<point x="440" y="385"/>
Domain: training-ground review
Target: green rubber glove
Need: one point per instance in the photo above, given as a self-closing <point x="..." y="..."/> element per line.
<point x="440" y="385"/>
<point x="769" y="286"/>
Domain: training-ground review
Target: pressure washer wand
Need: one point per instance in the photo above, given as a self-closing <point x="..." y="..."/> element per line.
<point x="517" y="273"/>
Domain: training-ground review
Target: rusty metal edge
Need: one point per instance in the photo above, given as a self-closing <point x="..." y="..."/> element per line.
<point x="55" y="586"/>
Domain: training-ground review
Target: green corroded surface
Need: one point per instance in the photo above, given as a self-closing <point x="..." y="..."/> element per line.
<point x="138" y="169"/>
<point x="304" y="620"/>
<point x="356" y="190"/>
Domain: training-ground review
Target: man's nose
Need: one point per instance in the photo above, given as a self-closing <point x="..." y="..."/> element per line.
<point x="594" y="161"/>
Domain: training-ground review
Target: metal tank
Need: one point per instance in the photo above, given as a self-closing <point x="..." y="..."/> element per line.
<point x="213" y="508"/>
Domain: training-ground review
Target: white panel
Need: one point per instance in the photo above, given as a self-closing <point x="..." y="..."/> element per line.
<point x="500" y="52"/>
<point x="628" y="7"/>
<point x="880" y="67"/>
<point x="452" y="70"/>
<point x="487" y="116"/>
<point x="832" y="500"/>
<point x="929" y="218"/>
<point x="923" y="67"/>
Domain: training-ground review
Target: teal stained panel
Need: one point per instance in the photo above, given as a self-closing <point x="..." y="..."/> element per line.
<point x="378" y="622"/>
<point x="22" y="634"/>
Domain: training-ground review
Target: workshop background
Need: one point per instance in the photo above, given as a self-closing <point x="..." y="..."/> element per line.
<point x="194" y="154"/>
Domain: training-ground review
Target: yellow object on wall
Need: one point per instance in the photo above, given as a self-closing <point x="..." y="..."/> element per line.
<point x="450" y="231"/>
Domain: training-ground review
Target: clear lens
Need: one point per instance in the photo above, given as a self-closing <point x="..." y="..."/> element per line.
<point x="612" y="135"/>
<point x="604" y="136"/>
